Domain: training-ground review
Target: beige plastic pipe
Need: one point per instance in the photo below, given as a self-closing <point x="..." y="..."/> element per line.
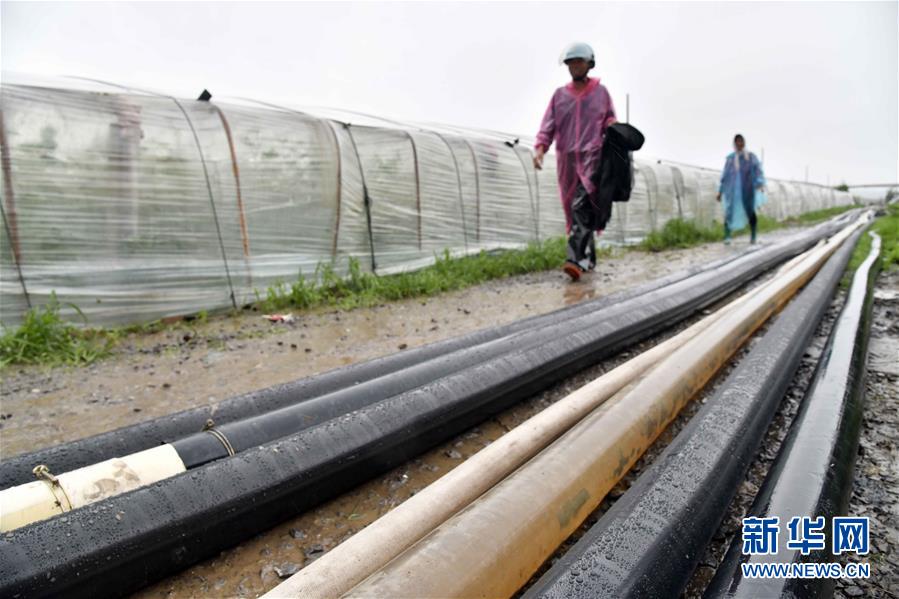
<point x="492" y="547"/>
<point x="352" y="561"/>
<point x="52" y="495"/>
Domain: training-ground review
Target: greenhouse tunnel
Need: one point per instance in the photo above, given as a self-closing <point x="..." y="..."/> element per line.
<point x="135" y="205"/>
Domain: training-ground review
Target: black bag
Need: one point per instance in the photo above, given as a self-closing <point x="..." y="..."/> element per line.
<point x="614" y="179"/>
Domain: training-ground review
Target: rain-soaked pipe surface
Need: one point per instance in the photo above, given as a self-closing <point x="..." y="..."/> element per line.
<point x="812" y="474"/>
<point x="516" y="525"/>
<point x="649" y="542"/>
<point x="144" y="435"/>
<point x="121" y="543"/>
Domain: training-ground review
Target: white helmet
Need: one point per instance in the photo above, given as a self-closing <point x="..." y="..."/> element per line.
<point x="578" y="50"/>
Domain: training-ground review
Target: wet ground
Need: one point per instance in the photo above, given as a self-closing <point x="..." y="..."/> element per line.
<point x="190" y="365"/>
<point x="875" y="492"/>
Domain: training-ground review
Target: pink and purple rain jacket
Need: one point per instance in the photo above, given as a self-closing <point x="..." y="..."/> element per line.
<point x="577" y="122"/>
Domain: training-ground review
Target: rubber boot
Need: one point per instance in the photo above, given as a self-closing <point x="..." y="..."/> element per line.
<point x="573" y="270"/>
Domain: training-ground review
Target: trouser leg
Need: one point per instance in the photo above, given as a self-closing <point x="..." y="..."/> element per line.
<point x="749" y="206"/>
<point x="580" y="240"/>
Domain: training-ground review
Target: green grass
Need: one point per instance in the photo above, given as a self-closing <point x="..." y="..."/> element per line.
<point x="766" y="224"/>
<point x="679" y="233"/>
<point x="45" y="338"/>
<point x="887" y="227"/>
<point x="808" y="218"/>
<point x="360" y="289"/>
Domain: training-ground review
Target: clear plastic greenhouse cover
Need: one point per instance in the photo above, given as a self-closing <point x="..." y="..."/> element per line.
<point x="134" y="205"/>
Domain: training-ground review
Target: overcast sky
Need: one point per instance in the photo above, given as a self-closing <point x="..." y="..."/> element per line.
<point x="815" y="83"/>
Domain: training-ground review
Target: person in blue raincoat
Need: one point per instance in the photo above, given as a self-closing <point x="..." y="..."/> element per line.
<point x="742" y="188"/>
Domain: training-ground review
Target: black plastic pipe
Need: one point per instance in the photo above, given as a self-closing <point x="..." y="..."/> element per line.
<point x="133" y="438"/>
<point x="812" y="474"/>
<point x="650" y="540"/>
<point x="200" y="448"/>
<point x="119" y="544"/>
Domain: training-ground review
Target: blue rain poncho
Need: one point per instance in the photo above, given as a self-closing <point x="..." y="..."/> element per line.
<point x="741" y="183"/>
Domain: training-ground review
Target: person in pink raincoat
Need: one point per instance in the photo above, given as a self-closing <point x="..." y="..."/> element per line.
<point x="576" y="120"/>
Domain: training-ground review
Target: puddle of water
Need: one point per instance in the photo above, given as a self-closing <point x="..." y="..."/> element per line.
<point x="886" y="295"/>
<point x="883" y="355"/>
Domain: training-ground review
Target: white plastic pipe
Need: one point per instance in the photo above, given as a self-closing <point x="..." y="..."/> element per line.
<point x="54" y="495"/>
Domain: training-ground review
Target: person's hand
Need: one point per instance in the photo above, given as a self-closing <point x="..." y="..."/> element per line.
<point x="538" y="158"/>
<point x="718" y="197"/>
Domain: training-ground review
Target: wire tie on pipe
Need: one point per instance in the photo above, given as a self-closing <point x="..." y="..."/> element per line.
<point x="42" y="472"/>
<point x="221" y="437"/>
<point x="223" y="440"/>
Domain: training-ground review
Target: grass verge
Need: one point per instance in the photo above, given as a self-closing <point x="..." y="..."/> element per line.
<point x="45" y="338"/>
<point x="887" y="227"/>
<point x="678" y="233"/>
<point x="360" y="289"/>
<point x="807" y="218"/>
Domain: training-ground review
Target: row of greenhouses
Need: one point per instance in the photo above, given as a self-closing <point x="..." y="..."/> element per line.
<point x="134" y="205"/>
